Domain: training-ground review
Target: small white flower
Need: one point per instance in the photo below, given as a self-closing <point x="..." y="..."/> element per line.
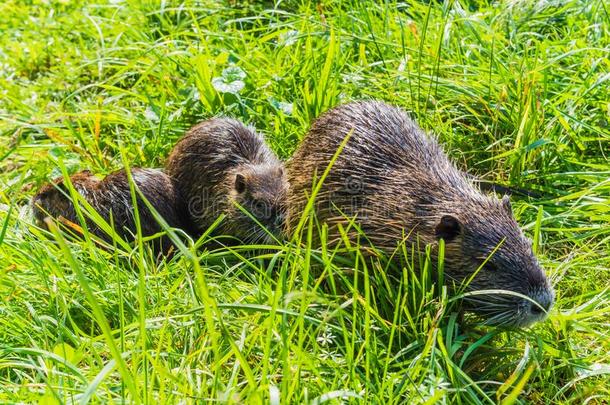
<point x="32" y="99"/>
<point x="286" y="108"/>
<point x="288" y="38"/>
<point x="352" y="78"/>
<point x="325" y="338"/>
<point x="325" y="354"/>
<point x="151" y="115"/>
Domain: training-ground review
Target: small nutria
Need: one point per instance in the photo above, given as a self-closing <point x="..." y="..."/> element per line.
<point x="111" y="198"/>
<point x="220" y="165"/>
<point x="399" y="186"/>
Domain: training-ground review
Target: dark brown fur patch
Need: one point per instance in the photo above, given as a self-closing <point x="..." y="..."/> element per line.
<point x="111" y="198"/>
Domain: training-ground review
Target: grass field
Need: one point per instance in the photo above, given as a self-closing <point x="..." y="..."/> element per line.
<point x="517" y="91"/>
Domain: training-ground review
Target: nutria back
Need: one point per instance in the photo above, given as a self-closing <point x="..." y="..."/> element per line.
<point x="400" y="187"/>
<point x="221" y="165"/>
<point x="111" y="198"/>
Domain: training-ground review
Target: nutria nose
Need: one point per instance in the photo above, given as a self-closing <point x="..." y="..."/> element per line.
<point x="543" y="303"/>
<point x="537" y="309"/>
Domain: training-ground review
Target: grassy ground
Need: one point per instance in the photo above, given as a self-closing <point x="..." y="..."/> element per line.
<point x="518" y="92"/>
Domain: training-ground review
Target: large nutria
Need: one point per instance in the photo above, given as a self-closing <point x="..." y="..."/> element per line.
<point x="112" y="199"/>
<point x="223" y="167"/>
<point x="398" y="185"/>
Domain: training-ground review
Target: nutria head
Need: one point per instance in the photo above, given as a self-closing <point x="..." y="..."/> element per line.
<point x="53" y="199"/>
<point x="484" y="245"/>
<point x="261" y="191"/>
<point x="111" y="198"/>
<point x="221" y="165"/>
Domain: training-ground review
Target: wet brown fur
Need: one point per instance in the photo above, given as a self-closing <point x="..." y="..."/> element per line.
<point x="398" y="184"/>
<point x="111" y="198"/>
<point x="221" y="162"/>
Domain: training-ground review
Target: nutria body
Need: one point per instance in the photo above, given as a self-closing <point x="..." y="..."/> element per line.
<point x="111" y="198"/>
<point x="221" y="165"/>
<point x="400" y="186"/>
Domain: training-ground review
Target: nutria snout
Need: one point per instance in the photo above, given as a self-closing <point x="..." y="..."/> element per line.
<point x="488" y="241"/>
<point x="398" y="185"/>
<point x="223" y="167"/>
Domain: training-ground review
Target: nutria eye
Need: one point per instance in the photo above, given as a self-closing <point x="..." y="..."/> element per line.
<point x="448" y="228"/>
<point x="491" y="267"/>
<point x="240" y="183"/>
<point x="260" y="210"/>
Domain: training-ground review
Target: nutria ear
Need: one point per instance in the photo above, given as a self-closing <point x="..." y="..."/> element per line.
<point x="240" y="183"/>
<point x="506" y="204"/>
<point x="448" y="228"/>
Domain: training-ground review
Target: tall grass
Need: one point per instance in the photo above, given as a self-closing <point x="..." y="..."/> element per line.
<point x="516" y="91"/>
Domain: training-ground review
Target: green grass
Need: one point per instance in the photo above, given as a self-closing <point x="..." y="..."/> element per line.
<point x="518" y="92"/>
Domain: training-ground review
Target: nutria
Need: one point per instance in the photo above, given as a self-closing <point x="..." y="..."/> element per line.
<point x="111" y="198"/>
<point x="223" y="167"/>
<point x="398" y="185"/>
